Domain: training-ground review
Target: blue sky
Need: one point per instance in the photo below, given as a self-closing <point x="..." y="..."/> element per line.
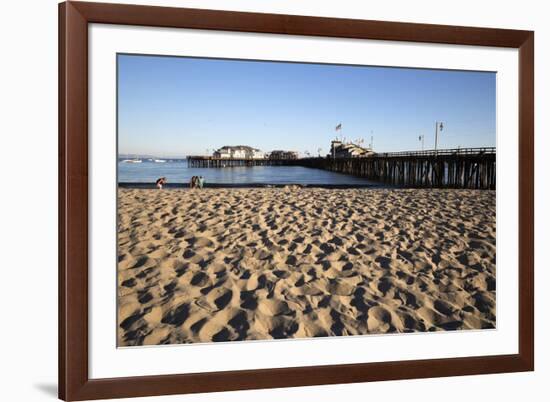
<point x="175" y="106"/>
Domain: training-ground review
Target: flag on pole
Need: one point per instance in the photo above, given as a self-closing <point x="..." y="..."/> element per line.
<point x="339" y="127"/>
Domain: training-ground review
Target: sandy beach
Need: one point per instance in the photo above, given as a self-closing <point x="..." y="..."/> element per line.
<point x="243" y="264"/>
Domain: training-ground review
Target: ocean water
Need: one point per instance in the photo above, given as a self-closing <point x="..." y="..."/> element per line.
<point x="177" y="171"/>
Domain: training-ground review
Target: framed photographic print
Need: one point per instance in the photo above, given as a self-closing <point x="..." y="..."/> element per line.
<point x="258" y="200"/>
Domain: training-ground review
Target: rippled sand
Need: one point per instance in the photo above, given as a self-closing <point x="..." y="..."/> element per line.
<point x="241" y="264"/>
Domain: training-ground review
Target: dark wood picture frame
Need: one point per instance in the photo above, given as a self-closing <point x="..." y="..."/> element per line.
<point x="74" y="382"/>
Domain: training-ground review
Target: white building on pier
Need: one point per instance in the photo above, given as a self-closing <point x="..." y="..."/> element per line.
<point x="238" y="152"/>
<point x="341" y="149"/>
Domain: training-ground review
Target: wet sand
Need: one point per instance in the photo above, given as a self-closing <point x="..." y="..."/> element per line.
<point x="242" y="264"/>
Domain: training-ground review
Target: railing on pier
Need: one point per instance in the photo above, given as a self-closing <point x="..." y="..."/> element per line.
<point x="441" y="152"/>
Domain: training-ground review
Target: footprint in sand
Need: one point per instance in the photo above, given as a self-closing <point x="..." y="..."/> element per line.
<point x="216" y="300"/>
<point x="200" y="279"/>
<point x="274" y="307"/>
<point x="379" y="320"/>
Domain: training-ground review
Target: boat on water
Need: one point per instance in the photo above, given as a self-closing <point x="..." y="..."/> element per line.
<point x="160" y="161"/>
<point x="132" y="160"/>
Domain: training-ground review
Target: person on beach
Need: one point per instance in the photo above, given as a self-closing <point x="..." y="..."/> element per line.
<point x="200" y="182"/>
<point x="193" y="182"/>
<point x="160" y="182"/>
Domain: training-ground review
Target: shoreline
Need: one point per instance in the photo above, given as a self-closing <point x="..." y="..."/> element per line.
<point x="378" y="186"/>
<point x="144" y="186"/>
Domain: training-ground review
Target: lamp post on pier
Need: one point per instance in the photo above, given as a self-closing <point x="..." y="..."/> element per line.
<point x="438" y="128"/>
<point x="371" y="141"/>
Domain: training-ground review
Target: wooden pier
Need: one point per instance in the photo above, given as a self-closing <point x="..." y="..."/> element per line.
<point x="211" y="162"/>
<point x="473" y="168"/>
